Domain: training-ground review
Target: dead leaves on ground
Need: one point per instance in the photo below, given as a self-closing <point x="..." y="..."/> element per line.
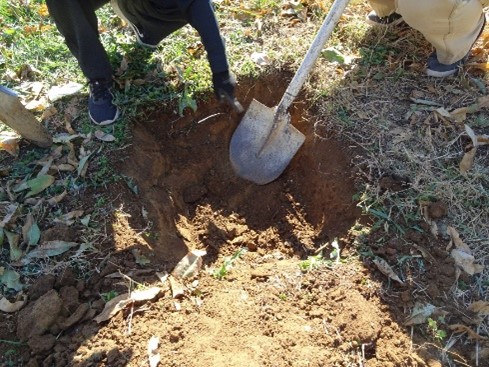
<point x="459" y="115"/>
<point x="25" y="202"/>
<point x="120" y="302"/>
<point x="464" y="260"/>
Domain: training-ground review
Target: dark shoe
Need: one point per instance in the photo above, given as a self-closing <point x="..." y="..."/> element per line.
<point x="138" y="31"/>
<point x="101" y="108"/>
<point x="393" y="19"/>
<point x="439" y="70"/>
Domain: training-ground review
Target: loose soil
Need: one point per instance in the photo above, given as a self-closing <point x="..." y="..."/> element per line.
<point x="266" y="311"/>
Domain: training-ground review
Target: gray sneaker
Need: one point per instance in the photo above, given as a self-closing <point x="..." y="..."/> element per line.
<point x="390" y="20"/>
<point x="439" y="70"/>
<point x="138" y="31"/>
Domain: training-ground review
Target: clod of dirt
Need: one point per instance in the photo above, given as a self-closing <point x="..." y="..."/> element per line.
<point x="60" y="232"/>
<point x="392" y="183"/>
<point x="80" y="312"/>
<point x="69" y="295"/>
<point x="40" y="344"/>
<point x="38" y="317"/>
<point x="437" y="210"/>
<point x="41" y="286"/>
<point x="194" y="193"/>
<point x="361" y="324"/>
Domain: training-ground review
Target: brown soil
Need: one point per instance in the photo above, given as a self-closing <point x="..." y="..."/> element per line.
<point x="266" y="312"/>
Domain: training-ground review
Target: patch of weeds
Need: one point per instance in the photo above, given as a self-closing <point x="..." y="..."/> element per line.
<point x="312" y="262"/>
<point x="222" y="272"/>
<point x="282" y="297"/>
<point x="343" y="116"/>
<point x="9" y="356"/>
<point x="107" y="296"/>
<point x="462" y="285"/>
<point x="25" y="165"/>
<point x="131" y="183"/>
<point x="373" y="56"/>
<point x="100" y="202"/>
<point x="434" y="331"/>
<point x="151" y="235"/>
<point x="104" y="173"/>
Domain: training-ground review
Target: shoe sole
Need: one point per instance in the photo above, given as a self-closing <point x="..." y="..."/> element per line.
<point x="393" y="24"/>
<point x="120" y="14"/>
<point x="441" y="74"/>
<point x="105" y="122"/>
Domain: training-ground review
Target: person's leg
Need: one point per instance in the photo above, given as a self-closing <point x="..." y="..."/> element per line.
<point x="383" y="13"/>
<point x="451" y="26"/>
<point x="77" y="22"/>
<point x="151" y="20"/>
<point x="383" y="8"/>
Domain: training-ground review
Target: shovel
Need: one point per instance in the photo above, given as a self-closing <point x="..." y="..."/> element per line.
<point x="265" y="141"/>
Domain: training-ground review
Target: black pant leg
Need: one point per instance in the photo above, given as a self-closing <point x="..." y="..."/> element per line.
<point x="77" y="22"/>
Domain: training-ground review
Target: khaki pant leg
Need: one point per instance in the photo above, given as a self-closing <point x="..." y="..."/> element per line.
<point x="451" y="26"/>
<point x="384" y="8"/>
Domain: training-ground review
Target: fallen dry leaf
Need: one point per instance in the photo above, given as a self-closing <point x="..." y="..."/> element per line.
<point x="120" y="302"/>
<point x="100" y="135"/>
<point x="457" y="241"/>
<point x="58" y="92"/>
<point x="420" y="313"/>
<point x="459" y="328"/>
<point x="112" y="307"/>
<point x="386" y="269"/>
<point x="69" y="218"/>
<point x="11" y="146"/>
<point x="177" y="288"/>
<point x="467" y="161"/>
<point x="56" y="199"/>
<point x="153" y="355"/>
<point x="480" y="307"/>
<point x="145" y="294"/>
<point x="465" y="261"/>
<point x="462" y="254"/>
<point x="10" y="307"/>
<point x="190" y="265"/>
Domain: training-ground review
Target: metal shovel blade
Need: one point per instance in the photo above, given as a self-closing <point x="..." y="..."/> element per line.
<point x="263" y="144"/>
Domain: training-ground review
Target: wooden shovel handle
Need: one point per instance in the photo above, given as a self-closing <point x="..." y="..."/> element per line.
<point x="329" y="23"/>
<point x="14" y="115"/>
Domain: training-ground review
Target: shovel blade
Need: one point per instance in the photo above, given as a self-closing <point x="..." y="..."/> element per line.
<point x="260" y="151"/>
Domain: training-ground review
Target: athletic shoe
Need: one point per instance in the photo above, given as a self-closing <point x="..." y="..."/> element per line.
<point x="138" y="31"/>
<point x="101" y="108"/>
<point x="439" y="70"/>
<point x="390" y="20"/>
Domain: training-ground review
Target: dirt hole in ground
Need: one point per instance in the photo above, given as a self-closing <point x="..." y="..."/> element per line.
<point x="266" y="311"/>
<point x="182" y="168"/>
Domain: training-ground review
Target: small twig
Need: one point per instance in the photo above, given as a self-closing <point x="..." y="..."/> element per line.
<point x="11" y="342"/>
<point x="321" y="248"/>
<point x="209" y="117"/>
<point x="129" y="317"/>
<point x="477" y="347"/>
